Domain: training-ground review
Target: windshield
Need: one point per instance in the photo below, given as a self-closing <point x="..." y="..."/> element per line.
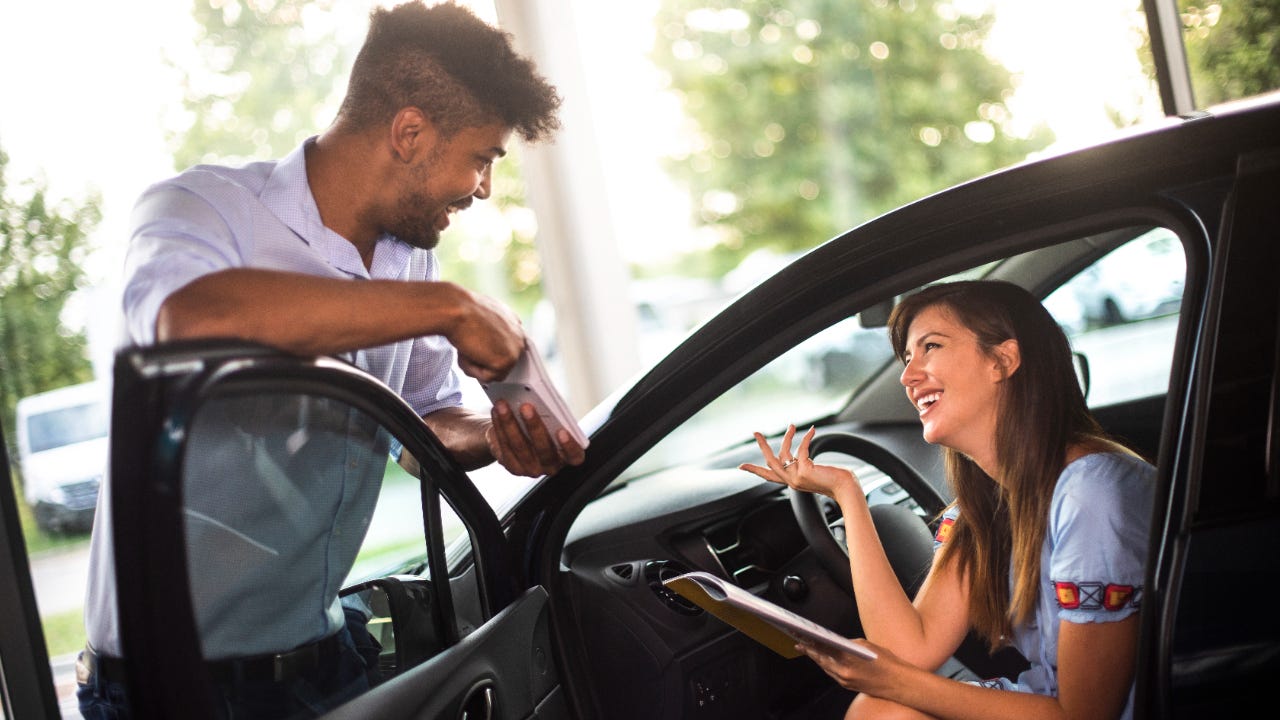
<point x="66" y="426"/>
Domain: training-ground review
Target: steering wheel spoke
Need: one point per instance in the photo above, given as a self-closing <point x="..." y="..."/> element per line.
<point x="837" y="532"/>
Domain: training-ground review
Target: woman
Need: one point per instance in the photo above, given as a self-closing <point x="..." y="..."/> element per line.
<point x="1044" y="547"/>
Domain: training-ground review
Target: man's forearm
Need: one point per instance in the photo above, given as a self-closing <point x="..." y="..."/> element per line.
<point x="462" y="432"/>
<point x="308" y="315"/>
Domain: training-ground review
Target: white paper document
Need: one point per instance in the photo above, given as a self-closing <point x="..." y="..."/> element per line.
<point x="528" y="382"/>
<point x="768" y="624"/>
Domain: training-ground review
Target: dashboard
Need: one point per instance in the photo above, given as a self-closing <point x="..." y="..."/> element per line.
<point x="654" y="654"/>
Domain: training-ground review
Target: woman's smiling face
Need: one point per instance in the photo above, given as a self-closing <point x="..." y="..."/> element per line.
<point x="953" y="383"/>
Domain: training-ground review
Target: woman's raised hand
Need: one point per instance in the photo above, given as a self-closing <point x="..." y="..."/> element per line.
<point x="799" y="471"/>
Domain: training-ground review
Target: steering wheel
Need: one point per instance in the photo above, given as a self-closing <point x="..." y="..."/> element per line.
<point x="833" y="554"/>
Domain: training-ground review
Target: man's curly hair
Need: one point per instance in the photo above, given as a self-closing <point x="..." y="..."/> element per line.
<point x="459" y="70"/>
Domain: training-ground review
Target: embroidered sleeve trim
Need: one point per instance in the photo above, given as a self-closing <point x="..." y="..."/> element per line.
<point x="1097" y="596"/>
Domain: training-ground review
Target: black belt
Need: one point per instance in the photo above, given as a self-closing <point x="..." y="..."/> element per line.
<point x="304" y="661"/>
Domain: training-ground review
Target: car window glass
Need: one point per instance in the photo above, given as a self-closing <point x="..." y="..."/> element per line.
<point x="395" y="543"/>
<point x="814" y="379"/>
<point x="1121" y="313"/>
<point x="811" y="380"/>
<point x="1230" y="49"/>
<point x="288" y="499"/>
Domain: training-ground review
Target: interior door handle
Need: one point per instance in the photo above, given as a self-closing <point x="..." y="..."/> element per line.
<point x="479" y="703"/>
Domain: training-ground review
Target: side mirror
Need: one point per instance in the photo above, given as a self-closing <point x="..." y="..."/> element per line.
<point x="403" y="621"/>
<point x="1082" y="371"/>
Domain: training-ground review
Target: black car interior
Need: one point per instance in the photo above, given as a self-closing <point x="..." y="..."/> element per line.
<point x="652" y="655"/>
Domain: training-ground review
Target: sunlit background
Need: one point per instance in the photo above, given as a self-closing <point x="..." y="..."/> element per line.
<point x="94" y="103"/>
<point x="706" y="143"/>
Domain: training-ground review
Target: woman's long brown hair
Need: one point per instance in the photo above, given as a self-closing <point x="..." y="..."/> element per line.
<point x="1001" y="527"/>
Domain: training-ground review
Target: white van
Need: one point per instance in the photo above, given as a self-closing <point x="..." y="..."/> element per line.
<point x="62" y="448"/>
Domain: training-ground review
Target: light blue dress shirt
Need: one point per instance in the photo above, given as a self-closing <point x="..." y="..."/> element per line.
<point x="263" y="215"/>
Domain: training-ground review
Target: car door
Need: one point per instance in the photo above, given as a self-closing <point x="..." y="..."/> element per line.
<point x="264" y="424"/>
<point x="1219" y="644"/>
<point x="26" y="681"/>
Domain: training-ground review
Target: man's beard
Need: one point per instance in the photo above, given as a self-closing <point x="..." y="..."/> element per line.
<point x="414" y="223"/>
<point x="415" y="220"/>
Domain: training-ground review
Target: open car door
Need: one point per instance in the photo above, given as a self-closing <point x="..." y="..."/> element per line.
<point x="26" y="683"/>
<point x="216" y="453"/>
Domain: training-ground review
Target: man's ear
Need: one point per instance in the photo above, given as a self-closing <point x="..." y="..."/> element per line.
<point x="1008" y="358"/>
<point x="412" y="133"/>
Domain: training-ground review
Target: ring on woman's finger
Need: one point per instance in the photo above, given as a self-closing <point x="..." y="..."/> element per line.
<point x="790" y="462"/>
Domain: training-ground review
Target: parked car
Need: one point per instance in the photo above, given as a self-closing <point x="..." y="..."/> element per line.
<point x="548" y="608"/>
<point x="62" y="453"/>
<point x="1143" y="279"/>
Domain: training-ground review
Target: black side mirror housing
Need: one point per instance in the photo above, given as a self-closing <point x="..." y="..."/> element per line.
<point x="402" y="620"/>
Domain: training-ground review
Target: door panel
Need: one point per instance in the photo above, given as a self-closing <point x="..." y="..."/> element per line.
<point x="280" y="481"/>
<point x="511" y="655"/>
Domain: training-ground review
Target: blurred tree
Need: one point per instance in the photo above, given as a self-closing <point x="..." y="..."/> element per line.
<point x="42" y="251"/>
<point x="1233" y="48"/>
<point x="266" y="69"/>
<point x="272" y="73"/>
<point x="823" y="114"/>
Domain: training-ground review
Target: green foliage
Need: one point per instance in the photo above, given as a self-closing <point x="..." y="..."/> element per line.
<point x="265" y="76"/>
<point x="42" y="249"/>
<point x="1233" y="48"/>
<point x="827" y="113"/>
<point x="63" y="632"/>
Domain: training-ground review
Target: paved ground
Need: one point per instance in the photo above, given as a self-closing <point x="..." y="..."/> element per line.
<point x="59" y="578"/>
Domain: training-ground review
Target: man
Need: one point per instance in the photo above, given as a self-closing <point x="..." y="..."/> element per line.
<point x="328" y="251"/>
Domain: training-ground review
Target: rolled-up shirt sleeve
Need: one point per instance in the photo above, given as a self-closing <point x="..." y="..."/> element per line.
<point x="177" y="237"/>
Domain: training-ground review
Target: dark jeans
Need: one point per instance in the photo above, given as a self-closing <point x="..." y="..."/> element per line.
<point x="335" y="683"/>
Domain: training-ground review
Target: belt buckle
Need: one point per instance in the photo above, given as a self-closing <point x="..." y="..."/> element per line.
<point x="291" y="664"/>
<point x="84" y="667"/>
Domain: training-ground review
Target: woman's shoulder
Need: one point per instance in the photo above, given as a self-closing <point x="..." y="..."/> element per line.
<point x="1116" y="458"/>
<point x="1108" y="473"/>
<point x="1103" y="501"/>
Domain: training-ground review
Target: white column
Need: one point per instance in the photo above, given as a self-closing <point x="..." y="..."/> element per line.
<point x="584" y="274"/>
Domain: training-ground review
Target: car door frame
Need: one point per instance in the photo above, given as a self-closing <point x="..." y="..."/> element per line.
<point x="158" y="390"/>
<point x="26" y="679"/>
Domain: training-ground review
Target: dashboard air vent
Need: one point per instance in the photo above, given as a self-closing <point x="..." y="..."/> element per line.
<point x="657" y="571"/>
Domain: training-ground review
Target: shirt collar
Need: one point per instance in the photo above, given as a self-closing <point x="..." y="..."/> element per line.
<point x="287" y="195"/>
